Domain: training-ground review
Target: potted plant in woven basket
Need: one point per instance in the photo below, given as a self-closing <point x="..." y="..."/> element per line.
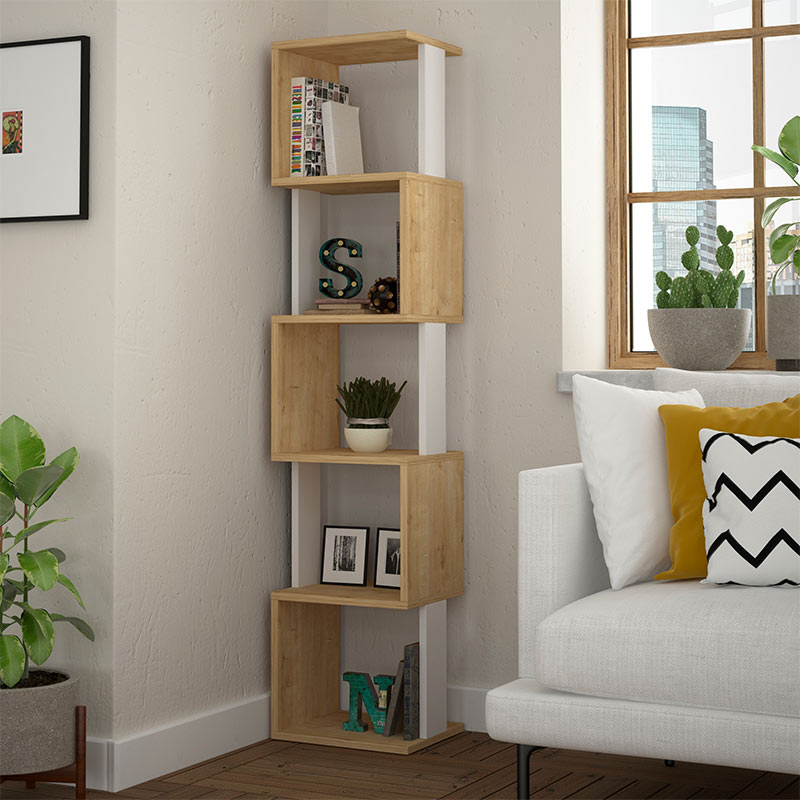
<point x="697" y="324"/>
<point x="783" y="301"/>
<point x="367" y="405"/>
<point x="37" y="707"/>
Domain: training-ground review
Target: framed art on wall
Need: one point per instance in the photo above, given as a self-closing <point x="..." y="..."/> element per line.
<point x="387" y="559"/>
<point x="44" y="103"/>
<point x="344" y="555"/>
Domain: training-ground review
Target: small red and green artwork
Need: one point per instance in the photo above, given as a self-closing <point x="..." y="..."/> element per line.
<point x="12" y="132"/>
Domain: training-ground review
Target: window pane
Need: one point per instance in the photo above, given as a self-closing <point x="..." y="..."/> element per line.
<point x="781" y="95"/>
<point x="658" y="17"/>
<point x="781" y="12"/>
<point x="658" y="241"/>
<point x="692" y="117"/>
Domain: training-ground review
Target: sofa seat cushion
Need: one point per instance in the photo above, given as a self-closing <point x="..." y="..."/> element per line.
<point x="685" y="643"/>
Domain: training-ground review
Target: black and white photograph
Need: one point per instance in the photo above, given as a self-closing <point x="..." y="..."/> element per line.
<point x="344" y="555"/>
<point x="387" y="559"/>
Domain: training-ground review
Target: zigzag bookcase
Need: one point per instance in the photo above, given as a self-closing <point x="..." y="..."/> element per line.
<point x="305" y="370"/>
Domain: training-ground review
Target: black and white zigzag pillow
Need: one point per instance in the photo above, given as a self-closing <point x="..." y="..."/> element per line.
<point x="751" y="514"/>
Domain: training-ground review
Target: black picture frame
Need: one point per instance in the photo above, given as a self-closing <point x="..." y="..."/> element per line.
<point x="360" y="560"/>
<point x="382" y="579"/>
<point x="83" y="144"/>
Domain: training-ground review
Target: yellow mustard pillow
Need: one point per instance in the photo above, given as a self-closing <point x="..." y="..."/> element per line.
<point x="687" y="492"/>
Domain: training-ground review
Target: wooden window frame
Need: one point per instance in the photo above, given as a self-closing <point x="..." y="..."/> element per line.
<point x="619" y="197"/>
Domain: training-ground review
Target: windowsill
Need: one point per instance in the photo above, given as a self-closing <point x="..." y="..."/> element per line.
<point x="634" y="378"/>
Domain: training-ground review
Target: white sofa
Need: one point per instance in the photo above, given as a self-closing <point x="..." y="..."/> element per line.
<point x="672" y="670"/>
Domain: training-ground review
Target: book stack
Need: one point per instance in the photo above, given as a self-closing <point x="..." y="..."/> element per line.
<point x="328" y="305"/>
<point x="307" y="140"/>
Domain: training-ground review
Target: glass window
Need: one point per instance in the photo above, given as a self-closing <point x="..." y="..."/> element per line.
<point x="660" y="17"/>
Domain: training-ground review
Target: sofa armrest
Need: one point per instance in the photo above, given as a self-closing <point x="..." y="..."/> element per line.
<point x="560" y="558"/>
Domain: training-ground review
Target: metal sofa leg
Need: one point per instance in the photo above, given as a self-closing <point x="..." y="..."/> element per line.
<point x="669" y="762"/>
<point x="524" y="752"/>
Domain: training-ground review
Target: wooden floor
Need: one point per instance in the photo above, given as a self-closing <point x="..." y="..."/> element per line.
<point x="467" y="767"/>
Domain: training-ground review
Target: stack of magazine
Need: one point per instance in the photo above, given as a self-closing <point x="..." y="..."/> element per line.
<point x="321" y="114"/>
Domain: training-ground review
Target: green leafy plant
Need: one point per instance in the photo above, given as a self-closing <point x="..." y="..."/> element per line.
<point x="27" y="633"/>
<point x="366" y="399"/>
<point x="700" y="289"/>
<point x="784" y="247"/>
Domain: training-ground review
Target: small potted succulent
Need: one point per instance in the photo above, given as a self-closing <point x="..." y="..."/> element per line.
<point x="697" y="324"/>
<point x="783" y="310"/>
<point x="37" y="707"/>
<point x="367" y="405"/>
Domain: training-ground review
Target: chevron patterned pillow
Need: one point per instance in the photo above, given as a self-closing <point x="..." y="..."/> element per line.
<point x="751" y="514"/>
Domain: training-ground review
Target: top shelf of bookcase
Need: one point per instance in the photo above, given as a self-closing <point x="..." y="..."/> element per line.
<point x="364" y="48"/>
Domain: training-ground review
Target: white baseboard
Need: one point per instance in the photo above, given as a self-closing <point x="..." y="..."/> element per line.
<point x="115" y="765"/>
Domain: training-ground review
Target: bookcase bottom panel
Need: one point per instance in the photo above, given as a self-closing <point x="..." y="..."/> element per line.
<point x="327" y="730"/>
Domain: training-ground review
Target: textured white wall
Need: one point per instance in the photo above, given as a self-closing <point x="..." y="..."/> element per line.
<point x="503" y="123"/>
<point x="56" y="349"/>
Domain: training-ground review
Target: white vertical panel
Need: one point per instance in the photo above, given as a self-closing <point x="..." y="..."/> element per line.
<point x="432" y="669"/>
<point x="306" y="226"/>
<point x="306" y="524"/>
<point x="432" y="386"/>
<point x="430" y="97"/>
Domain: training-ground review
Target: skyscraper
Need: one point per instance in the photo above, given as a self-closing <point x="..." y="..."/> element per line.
<point x="683" y="158"/>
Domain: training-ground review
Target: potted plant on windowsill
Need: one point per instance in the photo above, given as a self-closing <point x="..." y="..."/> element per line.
<point x="783" y="310"/>
<point x="697" y="324"/>
<point x="37" y="707"/>
<point x="367" y="405"/>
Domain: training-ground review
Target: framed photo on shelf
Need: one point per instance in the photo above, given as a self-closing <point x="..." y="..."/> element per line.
<point x="387" y="559"/>
<point x="44" y="103"/>
<point x="344" y="555"/>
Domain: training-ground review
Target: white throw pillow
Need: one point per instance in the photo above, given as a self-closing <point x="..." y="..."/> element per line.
<point x="751" y="515"/>
<point x="743" y="390"/>
<point x="624" y="455"/>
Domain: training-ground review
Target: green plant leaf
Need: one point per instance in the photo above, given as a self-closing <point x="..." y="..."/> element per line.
<point x="26" y="532"/>
<point x="778" y="232"/>
<point x="34" y="482"/>
<point x="20" y="447"/>
<point x="77" y="622"/>
<point x="65" y="581"/>
<point x="41" y="568"/>
<point x="60" y="555"/>
<point x="789" y="140"/>
<point x="769" y="211"/>
<point x="8" y="595"/>
<point x="6" y="487"/>
<point x="12" y="660"/>
<point x="38" y="634"/>
<point x="782" y="248"/>
<point x="777" y="158"/>
<point x="67" y="460"/>
<point x="7" y="509"/>
<point x="3" y="565"/>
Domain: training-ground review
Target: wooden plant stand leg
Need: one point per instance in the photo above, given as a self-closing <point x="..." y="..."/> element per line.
<point x="74" y="773"/>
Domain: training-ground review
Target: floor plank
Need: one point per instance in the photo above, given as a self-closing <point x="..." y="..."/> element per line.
<point x="470" y="766"/>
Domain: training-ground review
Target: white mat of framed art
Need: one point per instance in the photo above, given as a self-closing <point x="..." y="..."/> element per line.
<point x="44" y="102"/>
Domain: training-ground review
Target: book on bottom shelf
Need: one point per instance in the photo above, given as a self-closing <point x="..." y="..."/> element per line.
<point x="307" y="154"/>
<point x="411" y="692"/>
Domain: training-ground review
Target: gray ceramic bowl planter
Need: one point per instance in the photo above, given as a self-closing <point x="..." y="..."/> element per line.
<point x="783" y="330"/>
<point x="699" y="338"/>
<point x="38" y="727"/>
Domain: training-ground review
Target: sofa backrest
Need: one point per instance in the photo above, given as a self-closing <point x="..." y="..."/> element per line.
<point x="742" y="389"/>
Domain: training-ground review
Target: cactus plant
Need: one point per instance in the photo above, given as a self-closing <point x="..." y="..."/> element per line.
<point x="700" y="289"/>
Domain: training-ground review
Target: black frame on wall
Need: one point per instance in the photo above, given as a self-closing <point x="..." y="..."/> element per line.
<point x="83" y="192"/>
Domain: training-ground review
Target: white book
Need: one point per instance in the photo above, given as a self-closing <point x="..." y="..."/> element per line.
<point x="342" y="139"/>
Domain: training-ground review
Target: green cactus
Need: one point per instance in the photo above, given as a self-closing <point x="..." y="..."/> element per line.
<point x="700" y="288"/>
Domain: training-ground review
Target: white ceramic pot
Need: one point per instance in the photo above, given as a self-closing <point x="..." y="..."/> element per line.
<point x="368" y="440"/>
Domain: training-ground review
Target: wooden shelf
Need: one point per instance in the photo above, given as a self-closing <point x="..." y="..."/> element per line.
<point x="364" y="48"/>
<point x="324" y="594"/>
<point x="363" y="183"/>
<point x="362" y="319"/>
<point x="388" y="458"/>
<point x="328" y="730"/>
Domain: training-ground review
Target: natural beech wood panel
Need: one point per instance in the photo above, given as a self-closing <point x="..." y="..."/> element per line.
<point x="285" y="66"/>
<point x="305" y="371"/>
<point x="431" y="247"/>
<point x="364" y="183"/>
<point x="328" y="730"/>
<point x="343" y="455"/>
<point x="673" y="39"/>
<point x="324" y="594"/>
<point x="364" y="319"/>
<point x="714" y="194"/>
<point x="305" y="662"/>
<point x="432" y="530"/>
<point x="365" y="48"/>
